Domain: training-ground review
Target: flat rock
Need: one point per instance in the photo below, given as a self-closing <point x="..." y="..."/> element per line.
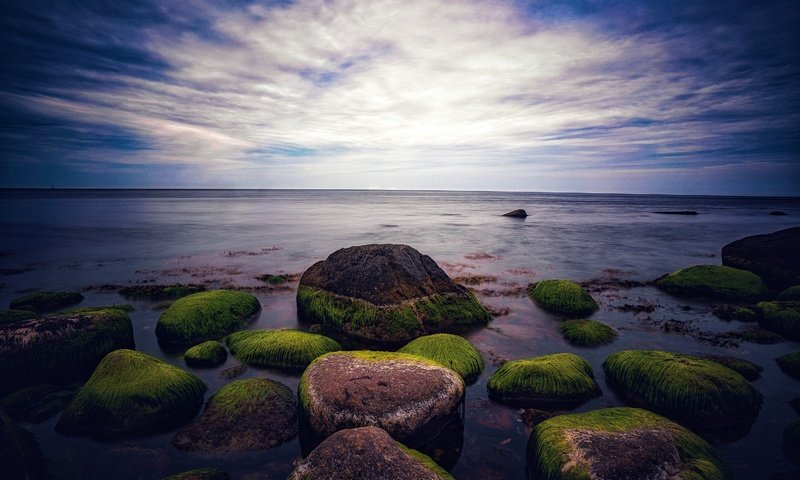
<point x="518" y="213"/>
<point x="775" y="257"/>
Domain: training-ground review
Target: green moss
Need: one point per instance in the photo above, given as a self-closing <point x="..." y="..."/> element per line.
<point x="700" y="392"/>
<point x="200" y="474"/>
<point x="273" y="279"/>
<point x="160" y="292"/>
<point x="715" y="281"/>
<point x="21" y="458"/>
<point x="549" y="450"/>
<point x="791" y="441"/>
<point x="548" y="380"/>
<point x="451" y="351"/>
<point x="745" y="368"/>
<point x="562" y="296"/>
<point x="132" y="393"/>
<point x="45" y="301"/>
<point x="285" y="348"/>
<point x="791" y="293"/>
<point x="11" y="316"/>
<point x="238" y="396"/>
<point x="587" y="333"/>
<point x="426" y="462"/>
<point x="123" y="307"/>
<point x="782" y="317"/>
<point x="790" y="363"/>
<point x="735" y="312"/>
<point x="205" y="315"/>
<point x="206" y="354"/>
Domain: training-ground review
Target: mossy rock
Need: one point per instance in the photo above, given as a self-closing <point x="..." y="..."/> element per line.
<point x="284" y="348"/>
<point x="694" y="391"/>
<point x="758" y="335"/>
<point x="36" y="404"/>
<point x="555" y="380"/>
<point x="59" y="348"/>
<point x="782" y="317"/>
<point x="790" y="363"/>
<point x="791" y="441"/>
<point x="562" y="296"/>
<point x="160" y="292"/>
<point x="206" y="354"/>
<point x="713" y="281"/>
<point x="451" y="351"/>
<point x="132" y="393"/>
<point x="10" y="316"/>
<point x="21" y="458"/>
<point x="621" y="442"/>
<point x="125" y="307"/>
<point x="791" y="293"/>
<point x="587" y="333"/>
<point x="244" y="415"/>
<point x="200" y="474"/>
<point x="205" y="316"/>
<point x="41" y="302"/>
<point x="745" y="368"/>
<point x="727" y="311"/>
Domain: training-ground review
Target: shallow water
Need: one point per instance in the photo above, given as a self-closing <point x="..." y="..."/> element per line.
<point x="84" y="239"/>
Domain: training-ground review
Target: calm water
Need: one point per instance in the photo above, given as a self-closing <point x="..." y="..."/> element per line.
<point x="83" y="239"/>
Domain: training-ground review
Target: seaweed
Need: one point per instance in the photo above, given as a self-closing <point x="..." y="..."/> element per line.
<point x="562" y="296"/>
<point x="745" y="368"/>
<point x="285" y="348"/>
<point x="782" y="317"/>
<point x="205" y="316"/>
<point x="207" y="354"/>
<point x="160" y="292"/>
<point x="41" y="302"/>
<point x="587" y="333"/>
<point x="451" y="351"/>
<point x="714" y="281"/>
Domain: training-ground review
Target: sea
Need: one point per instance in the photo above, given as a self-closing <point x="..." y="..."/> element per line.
<point x="95" y="241"/>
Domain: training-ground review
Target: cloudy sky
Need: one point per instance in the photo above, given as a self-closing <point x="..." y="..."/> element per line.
<point x="680" y="96"/>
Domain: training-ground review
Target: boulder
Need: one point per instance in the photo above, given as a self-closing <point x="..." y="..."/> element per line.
<point x="160" y="292"/>
<point x="791" y="441"/>
<point x="518" y="213"/>
<point x="778" y="213"/>
<point x="10" y="316"/>
<point x="713" y="281"/>
<point x="676" y="212"/>
<point x="21" y="458"/>
<point x="206" y="354"/>
<point x="774" y="257"/>
<point x="562" y="296"/>
<point x="244" y="415"/>
<point x="366" y="453"/>
<point x="388" y="293"/>
<point x="790" y="364"/>
<point x="40" y="302"/>
<point x="37" y="403"/>
<point x="451" y="351"/>
<point x="200" y="474"/>
<point x="284" y="348"/>
<point x="782" y="317"/>
<point x="726" y="311"/>
<point x="205" y="316"/>
<point x="791" y="293"/>
<point x="587" y="333"/>
<point x="745" y="368"/>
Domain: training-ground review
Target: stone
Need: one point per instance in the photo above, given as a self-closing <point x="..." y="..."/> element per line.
<point x="518" y="213"/>
<point x="775" y="257"/>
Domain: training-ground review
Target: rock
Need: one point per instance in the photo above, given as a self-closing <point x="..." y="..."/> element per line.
<point x="727" y="311"/>
<point x="713" y="281"/>
<point x="10" y="316"/>
<point x="774" y="257"/>
<point x="232" y="372"/>
<point x="562" y="296"/>
<point x="125" y="307"/>
<point x="620" y="443"/>
<point x="693" y="391"/>
<point x="791" y="441"/>
<point x="36" y="404"/>
<point x="59" y="348"/>
<point x="677" y="212"/>
<point x="41" y="302"/>
<point x="756" y="335"/>
<point x="206" y="354"/>
<point x="401" y="393"/>
<point x="244" y="415"/>
<point x="549" y="381"/>
<point x="795" y="403"/>
<point x="451" y="351"/>
<point x="587" y="333"/>
<point x="160" y="292"/>
<point x="781" y="317"/>
<point x="790" y="364"/>
<point x="21" y="458"/>
<point x="132" y="393"/>
<point x="745" y="368"/>
<point x="518" y="213"/>
<point x="388" y="293"/>
<point x="366" y="453"/>
<point x="285" y="348"/>
<point x="778" y="213"/>
<point x="200" y="474"/>
<point x="205" y="316"/>
<point x="791" y="293"/>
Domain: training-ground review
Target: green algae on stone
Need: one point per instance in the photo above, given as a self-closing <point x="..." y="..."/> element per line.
<point x="791" y="441"/>
<point x="689" y="389"/>
<point x="205" y="316"/>
<point x="200" y="474"/>
<point x="790" y="363"/>
<point x="125" y="307"/>
<point x="132" y="393"/>
<point x="160" y="292"/>
<point x="587" y="333"/>
<point x="558" y="379"/>
<point x="21" y="458"/>
<point x="206" y="354"/>
<point x="284" y="348"/>
<point x="745" y="368"/>
<point x="714" y="281"/>
<point x="782" y="317"/>
<point x="791" y="293"/>
<point x="10" y="316"/>
<point x="620" y="442"/>
<point x="451" y="351"/>
<point x="562" y="296"/>
<point x="40" y="302"/>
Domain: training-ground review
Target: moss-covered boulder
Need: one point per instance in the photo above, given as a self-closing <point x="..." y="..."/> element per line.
<point x="160" y="292"/>
<point x="244" y="415"/>
<point x="713" y="281"/>
<point x="587" y="333"/>
<point x="284" y="348"/>
<point x="205" y="316"/>
<point x="125" y="307"/>
<point x="548" y="381"/>
<point x="791" y="441"/>
<point x="774" y="257"/>
<point x="10" y="316"/>
<point x="41" y="302"/>
<point x="562" y="296"/>
<point x="59" y="348"/>
<point x="781" y="317"/>
<point x="745" y="368"/>
<point x="132" y="393"/>
<point x="622" y="443"/>
<point x="37" y="403"/>
<point x="206" y="354"/>
<point x="401" y="393"/>
<point x="791" y="293"/>
<point x="21" y="458"/>
<point x="726" y="311"/>
<point x="790" y="363"/>
<point x="451" y="351"/>
<point x="366" y="452"/>
<point x="388" y="293"/>
<point x="694" y="391"/>
<point x="200" y="474"/>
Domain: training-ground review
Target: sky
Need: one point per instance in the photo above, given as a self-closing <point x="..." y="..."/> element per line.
<point x="626" y="96"/>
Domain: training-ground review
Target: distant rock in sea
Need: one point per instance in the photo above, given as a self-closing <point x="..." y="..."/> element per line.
<point x="778" y="213"/>
<point x="518" y="213"/>
<point x="677" y="212"/>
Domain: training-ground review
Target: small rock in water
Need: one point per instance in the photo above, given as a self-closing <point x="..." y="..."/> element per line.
<point x="677" y="212"/>
<point x="778" y="213"/>
<point x="518" y="213"/>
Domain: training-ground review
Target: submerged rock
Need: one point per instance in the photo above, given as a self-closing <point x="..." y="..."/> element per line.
<point x="132" y="393"/>
<point x="775" y="257"/>
<point x="244" y="415"/>
<point x="790" y="364"/>
<point x="727" y="311"/>
<point x="386" y="293"/>
<point x="59" y="348"/>
<point x="562" y="296"/>
<point x="40" y="302"/>
<point x="791" y="441"/>
<point x="518" y="213"/>
<point x="205" y="316"/>
<point x="778" y="213"/>
<point x="21" y="458"/>
<point x="10" y="316"/>
<point x="200" y="474"/>
<point x="206" y="354"/>
<point x="366" y="453"/>
<point x="160" y="292"/>
<point x="587" y="333"/>
<point x="676" y="212"/>
<point x="284" y="348"/>
<point x="620" y="443"/>
<point x="451" y="351"/>
<point x="791" y="293"/>
<point x="781" y="317"/>
<point x="745" y="368"/>
<point x="36" y="404"/>
<point x="714" y="281"/>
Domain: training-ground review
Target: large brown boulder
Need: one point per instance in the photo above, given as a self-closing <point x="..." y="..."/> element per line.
<point x="384" y="292"/>
<point x="775" y="257"/>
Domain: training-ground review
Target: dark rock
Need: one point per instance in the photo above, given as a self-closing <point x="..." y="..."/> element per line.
<point x="519" y="213"/>
<point x="677" y="212"/>
<point x="200" y="474"/>
<point x="778" y="213"/>
<point x="36" y="404"/>
<point x="21" y="458"/>
<point x="745" y="368"/>
<point x="775" y="257"/>
<point x="160" y="292"/>
<point x="40" y="302"/>
<point x="233" y="372"/>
